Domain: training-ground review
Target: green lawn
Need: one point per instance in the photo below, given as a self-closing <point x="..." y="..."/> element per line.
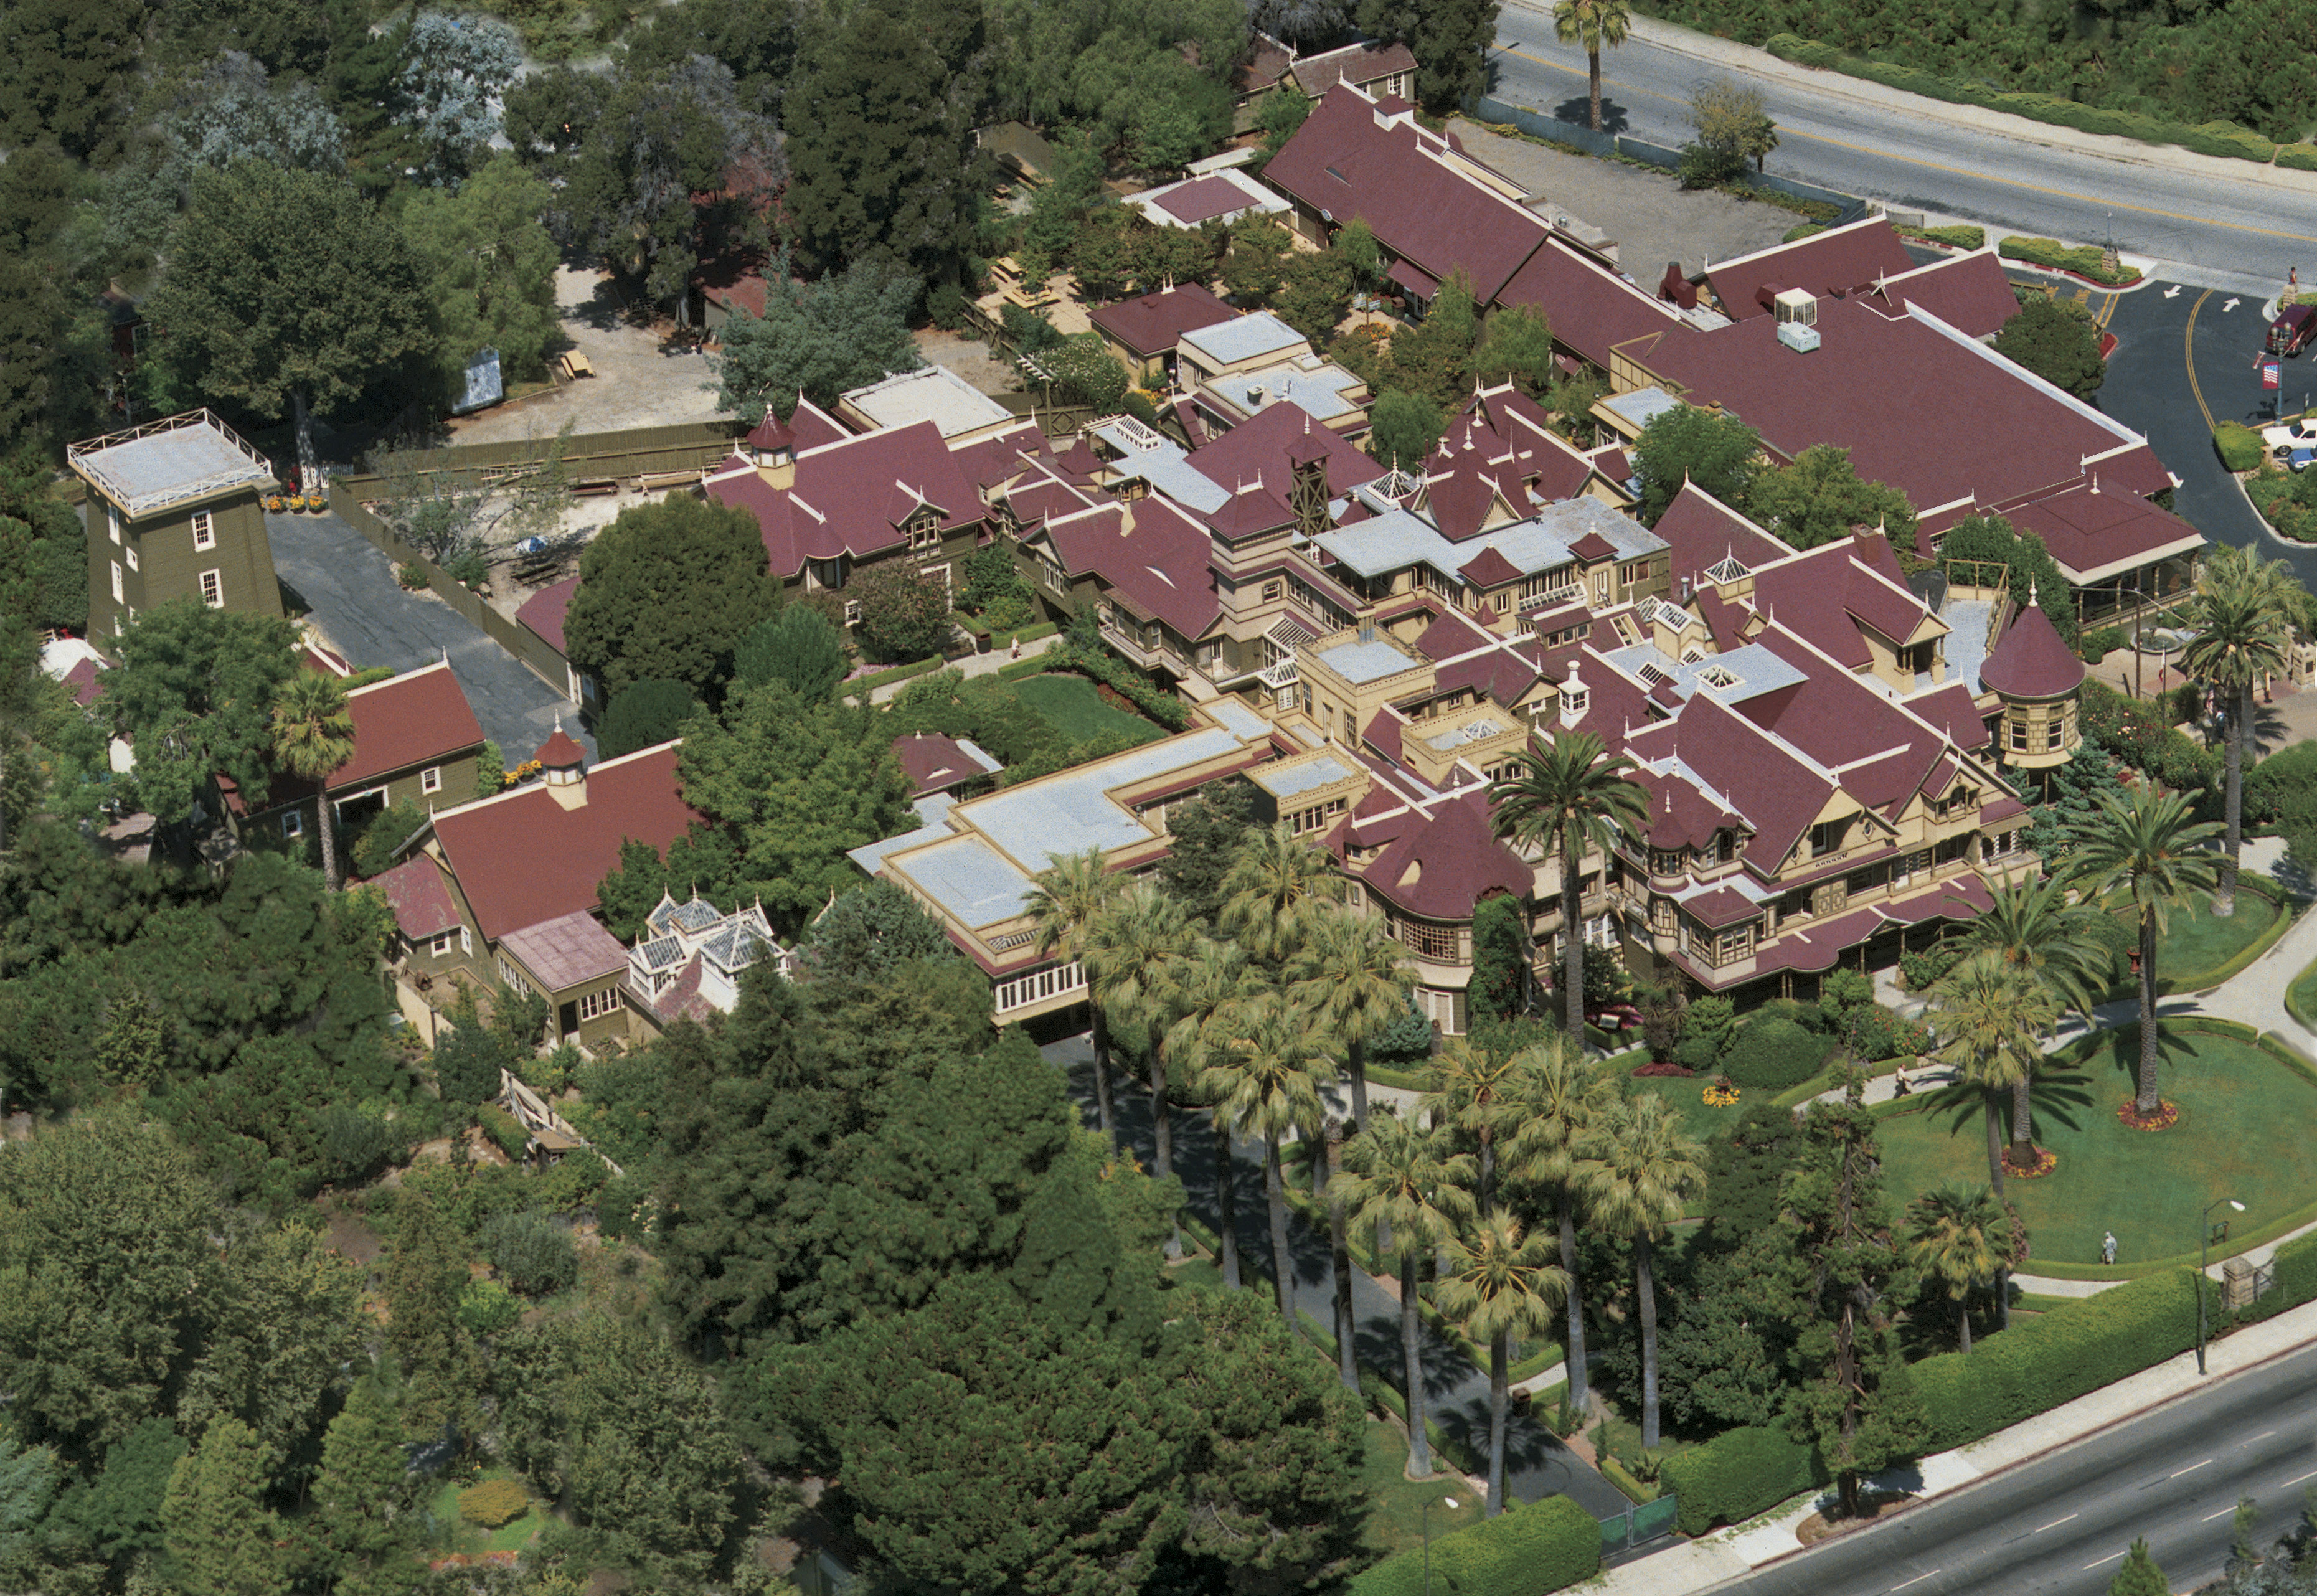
<point x="2193" y="944"/>
<point x="2242" y="1134"/>
<point x="511" y="1536"/>
<point x="1396" y="1505"/>
<point x="1075" y="706"/>
<point x="2304" y="992"/>
<point x="1686" y="1095"/>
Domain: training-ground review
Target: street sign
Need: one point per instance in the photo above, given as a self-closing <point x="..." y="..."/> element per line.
<point x="2272" y="374"/>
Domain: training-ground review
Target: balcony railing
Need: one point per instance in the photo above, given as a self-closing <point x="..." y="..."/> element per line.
<point x="1039" y="986"/>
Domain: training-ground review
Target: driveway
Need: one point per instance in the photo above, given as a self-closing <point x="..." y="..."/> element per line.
<point x="350" y="589"/>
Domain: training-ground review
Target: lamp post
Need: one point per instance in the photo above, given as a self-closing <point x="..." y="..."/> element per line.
<point x="1451" y="1502"/>
<point x="2204" y="1246"/>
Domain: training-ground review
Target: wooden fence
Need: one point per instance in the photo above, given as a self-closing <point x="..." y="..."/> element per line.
<point x="633" y="451"/>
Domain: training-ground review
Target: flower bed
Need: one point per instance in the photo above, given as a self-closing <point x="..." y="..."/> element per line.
<point x="2041" y="1164"/>
<point x="1664" y="1067"/>
<point x="1721" y="1094"/>
<point x="2166" y="1115"/>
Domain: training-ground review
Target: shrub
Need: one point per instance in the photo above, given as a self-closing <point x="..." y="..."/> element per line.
<point x="369" y="675"/>
<point x="2239" y="446"/>
<point x="1955" y="237"/>
<point x="2102" y="641"/>
<point x="2035" y="1366"/>
<point x="2296" y="1271"/>
<point x="373" y="849"/>
<point x="356" y="1140"/>
<point x="1741" y="1473"/>
<point x="644" y="714"/>
<point x="1801" y="230"/>
<point x="1698" y="1055"/>
<point x="2084" y="260"/>
<point x="411" y="578"/>
<point x="493" y="1502"/>
<point x="504" y="1129"/>
<point x="1710" y="1018"/>
<point x="2268" y="784"/>
<point x="534" y="1253"/>
<point x="1772" y="1054"/>
<point x="1525" y="1551"/>
<point x="2300" y="157"/>
<point x="1920" y="970"/>
<point x="468" y="1059"/>
<point x="487" y="1308"/>
<point x="946" y="306"/>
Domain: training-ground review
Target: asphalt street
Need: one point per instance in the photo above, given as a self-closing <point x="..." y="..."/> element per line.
<point x="349" y="587"/>
<point x="2061" y="1524"/>
<point x="2221" y="218"/>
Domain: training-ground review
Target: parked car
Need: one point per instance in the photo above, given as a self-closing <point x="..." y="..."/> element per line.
<point x="2295" y="326"/>
<point x="2284" y="438"/>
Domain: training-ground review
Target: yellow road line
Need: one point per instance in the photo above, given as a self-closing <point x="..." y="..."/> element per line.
<point x="2033" y="188"/>
<point x="2188" y="352"/>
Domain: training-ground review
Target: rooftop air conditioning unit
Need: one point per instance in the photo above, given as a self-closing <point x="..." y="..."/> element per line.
<point x="1798" y="335"/>
<point x="1254" y="393"/>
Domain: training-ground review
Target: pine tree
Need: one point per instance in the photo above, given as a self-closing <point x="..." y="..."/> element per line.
<point x="361" y="1536"/>
<point x="219" y="1534"/>
<point x="2139" y="1576"/>
<point x="424" y="1277"/>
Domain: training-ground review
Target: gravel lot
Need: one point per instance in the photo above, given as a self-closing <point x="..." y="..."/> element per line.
<point x="1645" y="210"/>
<point x="641" y="380"/>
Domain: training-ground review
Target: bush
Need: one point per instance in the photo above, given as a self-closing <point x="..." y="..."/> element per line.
<point x="535" y="1254"/>
<point x="2084" y="260"/>
<point x="374" y="849"/>
<point x="2102" y="641"/>
<point x="2269" y="784"/>
<point x="503" y="1128"/>
<point x="946" y="306"/>
<point x="1114" y="673"/>
<point x="646" y="714"/>
<point x="1955" y="237"/>
<point x="1525" y="1551"/>
<point x="2239" y="446"/>
<point x="1774" y="1053"/>
<point x="1701" y="165"/>
<point x="493" y="1502"/>
<point x="356" y="1142"/>
<point x="1920" y="970"/>
<point x="2300" y="157"/>
<point x="468" y="1059"/>
<point x="487" y="1308"/>
<point x="1697" y="1053"/>
<point x="369" y="675"/>
<point x="1739" y="1473"/>
<point x="411" y="578"/>
<point x="2058" y="1357"/>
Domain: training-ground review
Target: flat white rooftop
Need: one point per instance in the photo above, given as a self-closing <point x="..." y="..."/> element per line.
<point x="166" y="462"/>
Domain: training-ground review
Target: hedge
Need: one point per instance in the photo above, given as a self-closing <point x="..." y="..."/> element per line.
<point x="2300" y="157"/>
<point x="2213" y="138"/>
<point x="1954" y="238"/>
<point x="503" y="1128"/>
<point x="2034" y="1367"/>
<point x="493" y="1502"/>
<point x="1741" y="1473"/>
<point x="1114" y="673"/>
<point x="898" y="673"/>
<point x="1526" y="1550"/>
<point x="368" y="676"/>
<point x="2083" y="260"/>
<point x="1615" y="1473"/>
<point x="1774" y="1054"/>
<point x="2238" y="446"/>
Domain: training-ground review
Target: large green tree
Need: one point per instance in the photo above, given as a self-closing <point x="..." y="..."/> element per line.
<point x="1449" y="38"/>
<point x="2243" y="638"/>
<point x="1500" y="1283"/>
<point x="1559" y="1098"/>
<point x="817" y="340"/>
<point x="1265" y="1084"/>
<point x="220" y="1535"/>
<point x="313" y="738"/>
<point x="668" y="590"/>
<point x="798" y="647"/>
<point x="362" y="1530"/>
<point x="2056" y="339"/>
<point x="195" y="695"/>
<point x="1993" y="1019"/>
<point x="1820" y="498"/>
<point x="1639" y="1170"/>
<point x="488" y="267"/>
<point x="1721" y="454"/>
<point x="286" y="292"/>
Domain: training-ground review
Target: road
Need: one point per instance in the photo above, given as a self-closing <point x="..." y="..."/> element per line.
<point x="2059" y="1526"/>
<point x="2226" y="222"/>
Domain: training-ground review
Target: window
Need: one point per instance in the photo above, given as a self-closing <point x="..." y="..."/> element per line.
<point x="132" y="561"/>
<point x="293" y="824"/>
<point x="466" y="941"/>
<point x="441" y="949"/>
<point x="204" y="530"/>
<point x="1826" y="837"/>
<point x="430" y="780"/>
<point x="853" y="612"/>
<point x="1634" y="573"/>
<point x="1437" y="943"/>
<point x="925" y="530"/>
<point x="2054" y="730"/>
<point x="512" y="976"/>
<point x="117" y="595"/>
<point x="213" y="589"/>
<point x="594" y="1004"/>
<point x="112" y="521"/>
<point x="1272" y="590"/>
<point x="1316" y="817"/>
<point x="2019" y="730"/>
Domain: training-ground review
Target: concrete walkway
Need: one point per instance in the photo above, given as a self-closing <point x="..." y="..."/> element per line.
<point x="972" y="665"/>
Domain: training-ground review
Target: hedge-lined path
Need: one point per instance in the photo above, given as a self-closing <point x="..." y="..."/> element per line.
<point x="974" y="665"/>
<point x="1537" y="1463"/>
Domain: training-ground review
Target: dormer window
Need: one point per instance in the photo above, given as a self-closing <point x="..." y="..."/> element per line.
<point x="924" y="528"/>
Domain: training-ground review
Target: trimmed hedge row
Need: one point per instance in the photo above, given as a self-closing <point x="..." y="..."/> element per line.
<point x="1524" y="1551"/>
<point x="898" y="673"/>
<point x="2300" y="157"/>
<point x="2083" y="260"/>
<point x="2213" y="138"/>
<point x="1954" y="238"/>
<point x="1739" y="1473"/>
<point x="2238" y="445"/>
<point x="1114" y="673"/>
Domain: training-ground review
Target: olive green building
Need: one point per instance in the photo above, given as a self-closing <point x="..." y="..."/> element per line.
<point x="174" y="512"/>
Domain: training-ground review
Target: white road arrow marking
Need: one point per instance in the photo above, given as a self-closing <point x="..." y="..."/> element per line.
<point x="2173" y="292"/>
<point x="2229" y="306"/>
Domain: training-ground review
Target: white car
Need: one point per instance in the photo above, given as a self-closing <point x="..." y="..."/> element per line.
<point x="2292" y="435"/>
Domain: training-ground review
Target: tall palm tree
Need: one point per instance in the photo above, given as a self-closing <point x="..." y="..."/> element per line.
<point x="2033" y="926"/>
<point x="1273" y="889"/>
<point x="1266" y="1080"/>
<point x="1500" y="1284"/>
<point x="1211" y="983"/>
<point x="2148" y="850"/>
<point x="1473" y="1090"/>
<point x="1398" y="1173"/>
<point x="1353" y="978"/>
<point x="1558" y="1096"/>
<point x="2243" y="635"/>
<point x="1067" y="898"/>
<point x="1994" y="1015"/>
<point x="1141" y="939"/>
<point x="313" y="738"/>
<point x="1569" y="795"/>
<point x="1638" y="1171"/>
<point x="1592" y="23"/>
<point x="1961" y="1237"/>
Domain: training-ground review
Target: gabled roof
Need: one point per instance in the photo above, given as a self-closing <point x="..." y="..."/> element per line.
<point x="1362" y="64"/>
<point x="1159" y="566"/>
<point x="1591" y="309"/>
<point x="1260" y="446"/>
<point x="1702" y="532"/>
<point x="1838" y="261"/>
<point x="1152" y="324"/>
<point x="1969" y="292"/>
<point x="1354" y="158"/>
<point x="544" y="610"/>
<point x="851" y="498"/>
<point x="1489" y="569"/>
<point x="521" y="857"/>
<point x="418" y="718"/>
<point x="1439" y="866"/>
<point x="935" y="764"/>
<point x="2031" y="661"/>
<point x="421" y="904"/>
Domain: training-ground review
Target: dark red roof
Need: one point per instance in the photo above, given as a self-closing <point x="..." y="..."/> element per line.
<point x="2031" y="661"/>
<point x="1837" y="262"/>
<point x="421" y="904"/>
<point x="1353" y="63"/>
<point x="1161" y="566"/>
<point x="1353" y="157"/>
<point x="1152" y="324"/>
<point x="544" y="610"/>
<point x="419" y="718"/>
<point x="1592" y="309"/>
<point x="1969" y="292"/>
<point x="2092" y="535"/>
<point x="82" y="679"/>
<point x="771" y="433"/>
<point x="934" y="763"/>
<point x="1260" y="446"/>
<point x="1460" y="496"/>
<point x="1701" y="532"/>
<point x="1489" y="569"/>
<point x="1593" y="546"/>
<point x="559" y="752"/>
<point x="521" y="858"/>
<point x="851" y="498"/>
<point x="1439" y="867"/>
<point x="1202" y="199"/>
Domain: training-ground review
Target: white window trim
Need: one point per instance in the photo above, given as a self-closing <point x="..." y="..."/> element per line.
<point x="430" y="780"/>
<point x="212" y="586"/>
<point x="293" y="824"/>
<point x="853" y="612"/>
<point x="119" y="595"/>
<point x="112" y="521"/>
<point x="441" y="945"/>
<point x="466" y="941"/>
<point x="204" y="530"/>
<point x="132" y="561"/>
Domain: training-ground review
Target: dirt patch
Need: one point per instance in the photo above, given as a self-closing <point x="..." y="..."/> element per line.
<point x="969" y="358"/>
<point x="349" y="1234"/>
<point x="1875" y="1505"/>
<point x="645" y="375"/>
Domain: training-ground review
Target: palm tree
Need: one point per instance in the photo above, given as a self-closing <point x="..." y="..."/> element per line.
<point x="2032" y="926"/>
<point x="1993" y="1016"/>
<point x="1500" y="1284"/>
<point x="1210" y="984"/>
<point x="1354" y="979"/>
<point x="1067" y="898"/>
<point x="1398" y="1173"/>
<point x="1570" y="794"/>
<point x="1472" y="1091"/>
<point x="1140" y="940"/>
<point x="1266" y="1078"/>
<point x="2149" y="851"/>
<point x="1962" y="1238"/>
<point x="2243" y="635"/>
<point x="1592" y="23"/>
<point x="313" y="737"/>
<point x="1638" y="1171"/>
<point x="1558" y="1095"/>
<point x="1271" y="888"/>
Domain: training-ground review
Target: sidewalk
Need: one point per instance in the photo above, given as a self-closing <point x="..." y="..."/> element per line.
<point x="972" y="665"/>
